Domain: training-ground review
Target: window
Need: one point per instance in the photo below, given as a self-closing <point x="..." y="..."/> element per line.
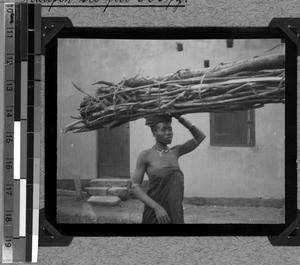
<point x="206" y="63"/>
<point x="232" y="128"/>
<point x="179" y="47"/>
<point x="229" y="43"/>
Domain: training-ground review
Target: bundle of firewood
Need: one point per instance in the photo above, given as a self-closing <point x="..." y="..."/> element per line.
<point x="227" y="87"/>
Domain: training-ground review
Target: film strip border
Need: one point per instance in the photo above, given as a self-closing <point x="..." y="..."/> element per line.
<point x="22" y="134"/>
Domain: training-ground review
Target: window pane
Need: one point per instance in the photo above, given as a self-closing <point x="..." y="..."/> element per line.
<point x="232" y="128"/>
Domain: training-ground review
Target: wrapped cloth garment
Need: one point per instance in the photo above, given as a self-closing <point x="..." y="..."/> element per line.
<point x="166" y="188"/>
<point x="154" y="119"/>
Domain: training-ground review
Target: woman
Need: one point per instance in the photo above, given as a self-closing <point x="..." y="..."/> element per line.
<point x="163" y="201"/>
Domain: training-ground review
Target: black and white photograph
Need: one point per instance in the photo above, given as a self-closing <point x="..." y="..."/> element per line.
<point x="170" y="131"/>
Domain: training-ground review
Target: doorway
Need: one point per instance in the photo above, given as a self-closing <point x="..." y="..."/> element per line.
<point x="113" y="152"/>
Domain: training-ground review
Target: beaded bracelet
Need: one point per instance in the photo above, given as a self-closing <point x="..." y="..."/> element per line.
<point x="186" y="122"/>
<point x="196" y="142"/>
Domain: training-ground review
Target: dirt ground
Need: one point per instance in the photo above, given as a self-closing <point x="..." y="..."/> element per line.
<point x="72" y="210"/>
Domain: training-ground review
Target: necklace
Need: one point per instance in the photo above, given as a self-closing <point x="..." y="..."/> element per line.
<point x="161" y="152"/>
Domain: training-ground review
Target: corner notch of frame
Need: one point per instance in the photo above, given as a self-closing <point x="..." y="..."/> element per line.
<point x="290" y="236"/>
<point x="291" y="27"/>
<point x="49" y="236"/>
<point x="50" y="28"/>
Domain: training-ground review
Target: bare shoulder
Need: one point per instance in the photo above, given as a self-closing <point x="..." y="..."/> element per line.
<point x="144" y="155"/>
<point x="175" y="147"/>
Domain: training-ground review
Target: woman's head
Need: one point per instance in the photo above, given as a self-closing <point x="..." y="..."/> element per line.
<point x="163" y="132"/>
<point x="161" y="127"/>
